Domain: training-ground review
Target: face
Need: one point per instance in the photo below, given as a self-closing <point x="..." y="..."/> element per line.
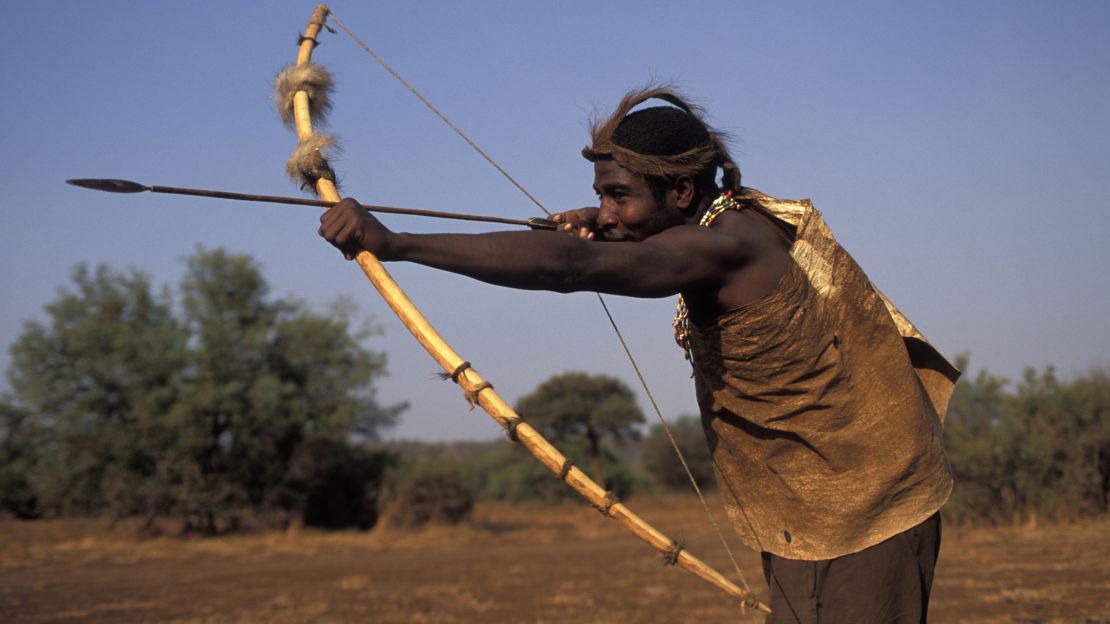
<point x="630" y="210"/>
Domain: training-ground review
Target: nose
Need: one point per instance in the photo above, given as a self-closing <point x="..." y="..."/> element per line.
<point x="606" y="216"/>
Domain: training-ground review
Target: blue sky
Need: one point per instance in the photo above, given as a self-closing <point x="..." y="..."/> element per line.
<point x="960" y="151"/>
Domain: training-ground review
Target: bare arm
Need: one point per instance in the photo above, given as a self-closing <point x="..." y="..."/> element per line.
<point x="675" y="260"/>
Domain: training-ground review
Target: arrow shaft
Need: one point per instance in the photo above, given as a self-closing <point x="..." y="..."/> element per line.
<point x="298" y="201"/>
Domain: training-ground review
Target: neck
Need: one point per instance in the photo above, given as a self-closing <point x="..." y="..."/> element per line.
<point x="704" y="202"/>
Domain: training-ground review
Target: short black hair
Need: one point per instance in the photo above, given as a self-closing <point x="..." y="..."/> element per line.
<point x="663" y="144"/>
<point x="666" y="131"/>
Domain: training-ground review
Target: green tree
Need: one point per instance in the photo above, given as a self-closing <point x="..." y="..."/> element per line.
<point x="19" y="437"/>
<point x="576" y="406"/>
<point x="341" y="482"/>
<point x="200" y="410"/>
<point x="660" y="461"/>
<point x="979" y="435"/>
<point x="1062" y="431"/>
<point x="1040" y="449"/>
<point x="96" y="381"/>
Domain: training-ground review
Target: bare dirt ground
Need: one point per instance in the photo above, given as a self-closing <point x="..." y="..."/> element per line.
<point x="508" y="564"/>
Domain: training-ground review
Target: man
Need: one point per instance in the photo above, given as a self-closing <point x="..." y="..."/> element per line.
<point x="821" y="403"/>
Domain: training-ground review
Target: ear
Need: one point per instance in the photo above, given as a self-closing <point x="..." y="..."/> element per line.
<point x="683" y="193"/>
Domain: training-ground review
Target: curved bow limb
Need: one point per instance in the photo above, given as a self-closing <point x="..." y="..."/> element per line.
<point x="481" y="391"/>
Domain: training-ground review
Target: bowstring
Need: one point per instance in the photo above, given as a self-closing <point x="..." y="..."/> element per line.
<point x="438" y="114"/>
<point x="674" y="443"/>
<point x="600" y="299"/>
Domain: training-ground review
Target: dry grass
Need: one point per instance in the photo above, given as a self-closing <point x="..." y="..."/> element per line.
<point x="510" y="563"/>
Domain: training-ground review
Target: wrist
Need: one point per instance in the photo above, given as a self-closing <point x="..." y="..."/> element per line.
<point x="394" y="247"/>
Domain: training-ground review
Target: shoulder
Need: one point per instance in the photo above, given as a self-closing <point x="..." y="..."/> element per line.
<point x="764" y="257"/>
<point x="750" y="229"/>
<point x="735" y="239"/>
<point x="728" y="246"/>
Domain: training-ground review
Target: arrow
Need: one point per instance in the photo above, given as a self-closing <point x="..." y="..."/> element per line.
<point x="127" y="186"/>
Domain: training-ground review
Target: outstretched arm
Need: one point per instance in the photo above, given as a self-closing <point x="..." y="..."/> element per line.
<point x="675" y="260"/>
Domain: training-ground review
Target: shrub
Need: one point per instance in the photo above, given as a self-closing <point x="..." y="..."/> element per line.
<point x="429" y="491"/>
<point x="509" y="473"/>
<point x="338" y="484"/>
<point x="1039" y="450"/>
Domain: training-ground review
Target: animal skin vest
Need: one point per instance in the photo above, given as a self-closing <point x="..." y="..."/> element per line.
<point x="822" y="406"/>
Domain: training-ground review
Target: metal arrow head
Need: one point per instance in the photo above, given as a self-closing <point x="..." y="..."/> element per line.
<point x="110" y="185"/>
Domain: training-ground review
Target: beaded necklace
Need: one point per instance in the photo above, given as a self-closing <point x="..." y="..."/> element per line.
<point x="681" y="321"/>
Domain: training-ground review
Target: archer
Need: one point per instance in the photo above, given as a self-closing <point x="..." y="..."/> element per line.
<point x="821" y="404"/>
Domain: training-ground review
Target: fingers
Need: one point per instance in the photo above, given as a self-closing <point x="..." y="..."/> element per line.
<point x="340" y="226"/>
<point x="338" y="234"/>
<point x="580" y="223"/>
<point x="349" y="239"/>
<point x="580" y="231"/>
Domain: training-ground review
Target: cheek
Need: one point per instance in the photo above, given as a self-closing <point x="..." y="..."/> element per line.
<point x="636" y="215"/>
<point x="655" y="216"/>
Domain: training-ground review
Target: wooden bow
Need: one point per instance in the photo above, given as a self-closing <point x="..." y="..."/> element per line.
<point x="481" y="392"/>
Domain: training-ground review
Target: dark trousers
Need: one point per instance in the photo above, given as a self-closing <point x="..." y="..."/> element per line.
<point x="888" y="582"/>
